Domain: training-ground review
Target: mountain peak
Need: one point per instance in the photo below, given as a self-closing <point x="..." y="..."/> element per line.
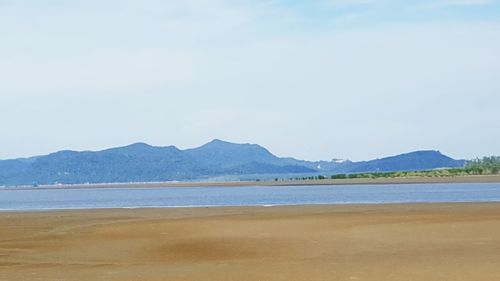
<point x="140" y="148"/>
<point x="218" y="142"/>
<point x="139" y="145"/>
<point x="219" y="152"/>
<point x="424" y="154"/>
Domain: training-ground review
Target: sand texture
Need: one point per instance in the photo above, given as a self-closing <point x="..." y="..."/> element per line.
<point x="373" y="242"/>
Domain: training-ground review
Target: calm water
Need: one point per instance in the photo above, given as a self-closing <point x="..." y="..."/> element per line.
<point x="48" y="199"/>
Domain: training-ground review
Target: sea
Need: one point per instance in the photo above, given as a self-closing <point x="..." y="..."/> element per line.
<point x="16" y="199"/>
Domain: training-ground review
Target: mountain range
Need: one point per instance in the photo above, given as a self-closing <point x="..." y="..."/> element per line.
<point x="141" y="162"/>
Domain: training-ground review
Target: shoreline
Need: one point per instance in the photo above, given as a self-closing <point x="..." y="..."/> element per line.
<point x="205" y="207"/>
<point x="244" y="208"/>
<point x="333" y="182"/>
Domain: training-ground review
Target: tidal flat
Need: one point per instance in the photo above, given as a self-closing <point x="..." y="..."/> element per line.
<point x="451" y="241"/>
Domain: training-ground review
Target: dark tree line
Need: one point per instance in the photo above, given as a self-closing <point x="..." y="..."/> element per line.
<point x="486" y="165"/>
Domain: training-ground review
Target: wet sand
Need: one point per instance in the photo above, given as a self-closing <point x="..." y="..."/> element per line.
<point x="370" y="242"/>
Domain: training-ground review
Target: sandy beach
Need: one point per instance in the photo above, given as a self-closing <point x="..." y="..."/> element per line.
<point x="370" y="242"/>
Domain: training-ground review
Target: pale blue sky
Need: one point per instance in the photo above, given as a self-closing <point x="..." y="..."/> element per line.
<point x="320" y="79"/>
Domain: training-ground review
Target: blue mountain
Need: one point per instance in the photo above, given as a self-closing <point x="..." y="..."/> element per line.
<point x="413" y="161"/>
<point x="141" y="162"/>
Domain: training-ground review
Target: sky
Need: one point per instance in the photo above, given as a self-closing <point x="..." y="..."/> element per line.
<point x="316" y="79"/>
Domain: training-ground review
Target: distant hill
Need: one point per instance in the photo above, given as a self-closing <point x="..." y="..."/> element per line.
<point x="223" y="154"/>
<point x="141" y="162"/>
<point x="413" y="161"/>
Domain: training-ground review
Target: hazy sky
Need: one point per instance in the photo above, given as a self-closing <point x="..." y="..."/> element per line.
<point x="316" y="79"/>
